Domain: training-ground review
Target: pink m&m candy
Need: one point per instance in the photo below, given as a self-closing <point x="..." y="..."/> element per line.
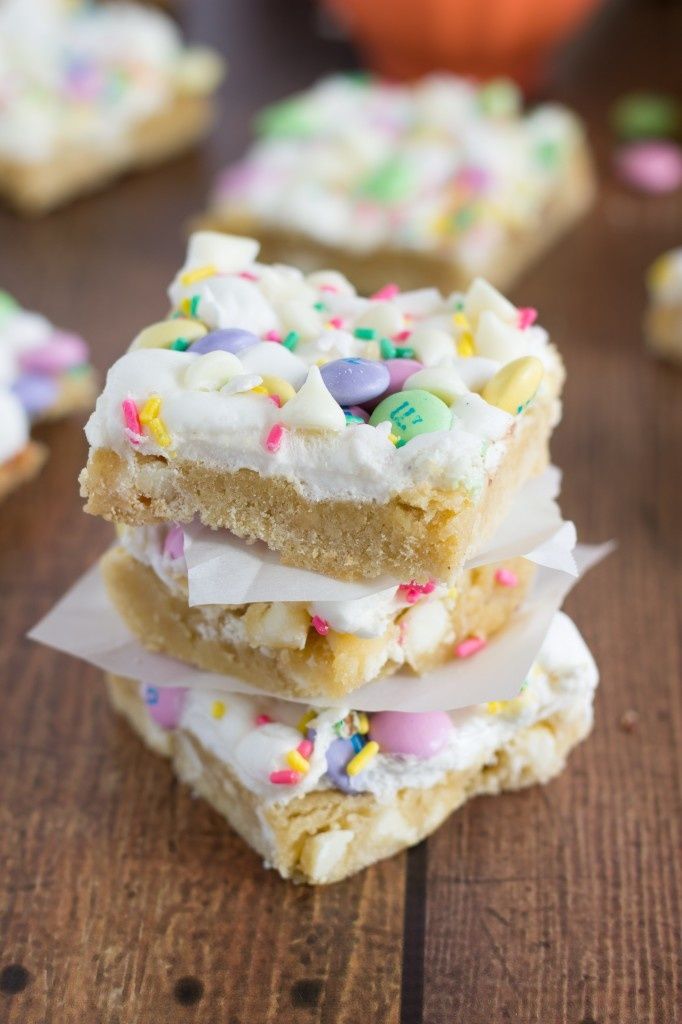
<point x="60" y="352"/>
<point x="398" y="372"/>
<point x="654" y="167"/>
<point x="402" y="732"/>
<point x="165" y="704"/>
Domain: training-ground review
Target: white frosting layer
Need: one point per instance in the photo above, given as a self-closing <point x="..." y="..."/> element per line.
<point x="72" y="73"/>
<point x="13" y="426"/>
<point x="563" y="677"/>
<point x="433" y="165"/>
<point x="322" y="459"/>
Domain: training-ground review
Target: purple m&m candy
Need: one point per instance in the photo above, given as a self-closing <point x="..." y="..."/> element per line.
<point x="355" y="381"/>
<point x="231" y="339"/>
<point x="339" y="753"/>
<point x="165" y="704"/>
<point x="60" y="352"/>
<point x="398" y="372"/>
<point x="422" y="733"/>
<point x="36" y="392"/>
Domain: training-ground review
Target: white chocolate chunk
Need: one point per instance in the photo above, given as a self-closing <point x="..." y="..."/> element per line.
<point x="283" y="624"/>
<point x="498" y="340"/>
<point x="322" y="853"/>
<point x="300" y="317"/>
<point x="476" y="371"/>
<point x="431" y="345"/>
<point x="313" y="408"/>
<point x="199" y="71"/>
<point x="270" y="359"/>
<point x="482" y="296"/>
<point x="227" y="253"/>
<point x="382" y="317"/>
<point x="441" y="381"/>
<point x="212" y="371"/>
<point x="333" y="280"/>
<point x="242" y="382"/>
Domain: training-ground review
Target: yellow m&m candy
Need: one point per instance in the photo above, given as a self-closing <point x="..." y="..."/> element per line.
<point x="515" y="385"/>
<point x="166" y="333"/>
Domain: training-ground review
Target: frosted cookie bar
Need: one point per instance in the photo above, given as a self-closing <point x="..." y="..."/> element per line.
<point x="426" y="185"/>
<point x="663" y="322"/>
<point x="294" y="649"/>
<point x="46" y="368"/>
<point x="20" y="458"/>
<point x="324" y="794"/>
<point x="359" y="437"/>
<point x="97" y="90"/>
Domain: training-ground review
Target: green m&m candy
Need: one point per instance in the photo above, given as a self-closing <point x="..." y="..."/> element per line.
<point x="411" y="413"/>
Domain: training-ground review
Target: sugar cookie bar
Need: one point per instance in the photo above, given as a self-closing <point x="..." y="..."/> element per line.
<point x="663" y="323"/>
<point x="122" y="92"/>
<point x="426" y="185"/>
<point x="324" y="795"/>
<point x="20" y="458"/>
<point x="46" y="368"/>
<point x="361" y="437"/>
<point x="294" y="649"/>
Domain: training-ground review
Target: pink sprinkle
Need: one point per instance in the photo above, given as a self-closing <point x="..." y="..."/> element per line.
<point x="412" y="591"/>
<point x="472" y="645"/>
<point x="320" y="625"/>
<point x="305" y="748"/>
<point x="402" y="631"/>
<point x="247" y="275"/>
<point x="506" y="578"/>
<point x="328" y="288"/>
<point x="336" y="321"/>
<point x="527" y="317"/>
<point x="273" y="336"/>
<point x="263" y="719"/>
<point x="274" y="438"/>
<point x="389" y="291"/>
<point x="174" y="542"/>
<point x="132" y="420"/>
<point x="402" y="336"/>
<point x="276" y="400"/>
<point x="285" y="777"/>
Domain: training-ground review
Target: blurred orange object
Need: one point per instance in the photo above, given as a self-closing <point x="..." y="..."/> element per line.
<point x="483" y="38"/>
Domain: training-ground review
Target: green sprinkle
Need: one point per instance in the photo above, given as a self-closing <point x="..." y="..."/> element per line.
<point x="352" y="418"/>
<point x="194" y="305"/>
<point x="500" y="98"/>
<point x="291" y="117"/>
<point x="459" y="306"/>
<point x="547" y="153"/>
<point x="365" y="333"/>
<point x="180" y="345"/>
<point x="464" y="218"/>
<point x="291" y="340"/>
<point x="404" y="353"/>
<point x="392" y="182"/>
<point x="387" y="349"/>
<point x="320" y="306"/>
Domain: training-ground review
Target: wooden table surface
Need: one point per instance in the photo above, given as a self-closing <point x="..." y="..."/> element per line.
<point x="124" y="900"/>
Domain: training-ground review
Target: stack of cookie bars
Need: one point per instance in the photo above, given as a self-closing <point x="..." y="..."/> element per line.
<point x="380" y="442"/>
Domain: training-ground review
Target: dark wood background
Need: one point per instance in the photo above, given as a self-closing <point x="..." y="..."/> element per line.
<point x="121" y="898"/>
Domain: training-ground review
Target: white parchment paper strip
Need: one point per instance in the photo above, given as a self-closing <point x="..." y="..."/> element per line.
<point x="85" y="625"/>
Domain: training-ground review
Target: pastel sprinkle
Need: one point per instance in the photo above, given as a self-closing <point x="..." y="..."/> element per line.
<point x="276" y="400"/>
<point x="365" y="333"/>
<point x="506" y="578"/>
<point x="363" y="723"/>
<point x="273" y="336"/>
<point x="174" y="542"/>
<point x="402" y="335"/>
<point x="259" y="390"/>
<point x="218" y="709"/>
<point x="389" y="291"/>
<point x="302" y="724"/>
<point x="305" y="748"/>
<point x="132" y="420"/>
<point x="157" y="429"/>
<point x="285" y="777"/>
<point x="336" y="321"/>
<point x="150" y="410"/>
<point x="194" y="305"/>
<point x="357" y="742"/>
<point x="274" y="438"/>
<point x="291" y="340"/>
<point x="263" y="719"/>
<point x="472" y="645"/>
<point x="179" y="345"/>
<point x="247" y="275"/>
<point x="320" y="625"/>
<point x="192" y="276"/>
<point x="362" y="759"/>
<point x="297" y="762"/>
<point x="466" y="346"/>
<point x="526" y="317"/>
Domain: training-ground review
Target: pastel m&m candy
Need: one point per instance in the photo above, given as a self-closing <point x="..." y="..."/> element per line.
<point x="166" y="332"/>
<point x="36" y="392"/>
<point x="231" y="339"/>
<point x="654" y="167"/>
<point x="515" y="385"/>
<point x="411" y="413"/>
<point x="60" y="352"/>
<point x="398" y="372"/>
<point x="355" y="381"/>
<point x="165" y="704"/>
<point x="422" y="733"/>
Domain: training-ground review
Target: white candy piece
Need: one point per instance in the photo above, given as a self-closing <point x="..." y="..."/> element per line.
<point x="431" y="345"/>
<point x="498" y="340"/>
<point x="242" y="382"/>
<point x="227" y="253"/>
<point x="300" y="317"/>
<point x="441" y="381"/>
<point x="480" y="418"/>
<point x="332" y="279"/>
<point x="482" y="296"/>
<point x="476" y="371"/>
<point x="383" y="317"/>
<point x="280" y="282"/>
<point x="313" y="408"/>
<point x="235" y="302"/>
<point x="270" y="359"/>
<point x="212" y="371"/>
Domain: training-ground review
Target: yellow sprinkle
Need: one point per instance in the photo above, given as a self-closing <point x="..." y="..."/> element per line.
<point x="494" y="707"/>
<point x="307" y="717"/>
<point x="218" y="709"/>
<point x="453" y="593"/>
<point x="461" y="320"/>
<point x="297" y="762"/>
<point x="185" y="307"/>
<point x="363" y="723"/>
<point x="158" y="429"/>
<point x="151" y="409"/>
<point x="393" y="439"/>
<point x="259" y="390"/>
<point x="465" y="345"/>
<point x="361" y="759"/>
<point x="192" y="276"/>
